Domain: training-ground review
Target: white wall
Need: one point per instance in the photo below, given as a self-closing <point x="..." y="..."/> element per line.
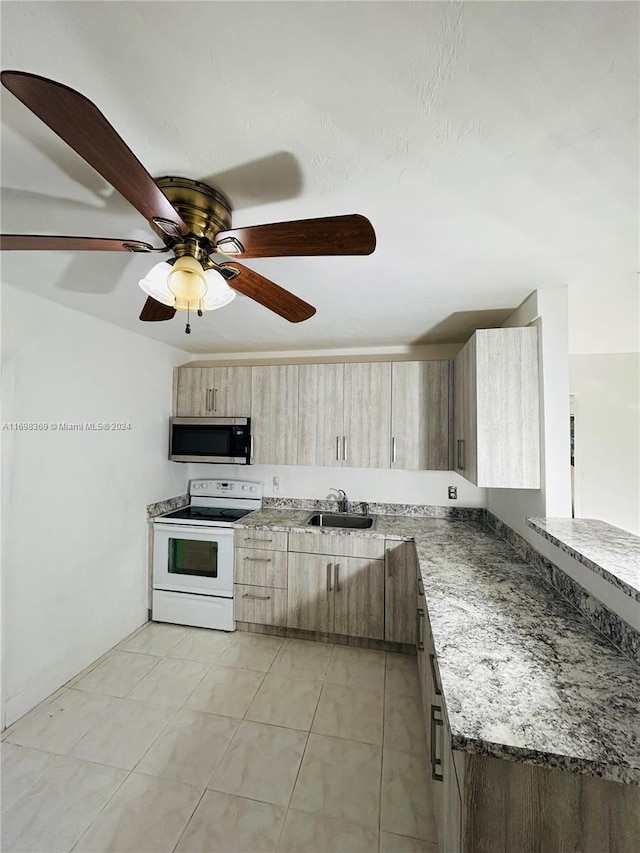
<point x="361" y="484"/>
<point x="606" y="405"/>
<point x="74" y="543"/>
<point x="547" y="308"/>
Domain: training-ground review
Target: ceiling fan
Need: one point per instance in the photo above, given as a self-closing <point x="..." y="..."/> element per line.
<point x="193" y="219"/>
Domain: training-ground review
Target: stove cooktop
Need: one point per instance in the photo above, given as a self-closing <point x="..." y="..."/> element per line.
<point x="206" y="513"/>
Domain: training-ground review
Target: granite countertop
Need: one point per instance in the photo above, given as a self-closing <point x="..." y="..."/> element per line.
<point x="612" y="553"/>
<point x="524" y="675"/>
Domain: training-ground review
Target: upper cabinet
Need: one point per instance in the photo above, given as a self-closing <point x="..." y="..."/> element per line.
<point x="355" y="414"/>
<point x="497" y="409"/>
<point x="336" y="427"/>
<point x="213" y="392"/>
<point x="321" y="414"/>
<point x="274" y="414"/>
<point x="421" y="401"/>
<point x="367" y="406"/>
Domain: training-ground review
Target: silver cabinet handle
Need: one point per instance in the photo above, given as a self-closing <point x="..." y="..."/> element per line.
<point x="207" y="402"/>
<point x="337" y="577"/>
<point x="255" y="539"/>
<point x="420" y="587"/>
<point x="461" y="460"/>
<point x="258" y="559"/>
<point x="251" y="448"/>
<point x="389" y="563"/>
<point x="419" y="637"/>
<point x="436" y="763"/>
<point x="344" y="448"/>
<point x="338" y="449"/>
<point x="329" y="587"/>
<point x="393" y="450"/>
<point x="432" y="663"/>
<point x="215" y="399"/>
<point x="259" y="597"/>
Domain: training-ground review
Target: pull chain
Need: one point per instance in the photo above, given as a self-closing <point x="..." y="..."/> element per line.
<point x="188" y="326"/>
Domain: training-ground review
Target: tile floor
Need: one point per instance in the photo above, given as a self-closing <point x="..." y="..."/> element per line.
<point x="193" y="740"/>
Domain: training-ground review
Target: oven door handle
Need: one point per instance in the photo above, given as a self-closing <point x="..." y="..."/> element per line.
<point x="183" y="531"/>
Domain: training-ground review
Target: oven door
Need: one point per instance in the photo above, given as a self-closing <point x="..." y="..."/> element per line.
<point x="193" y="559"/>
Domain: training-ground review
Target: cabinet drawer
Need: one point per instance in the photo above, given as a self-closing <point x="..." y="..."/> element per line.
<point x="260" y="567"/>
<point x="267" y="540"/>
<point x="346" y="545"/>
<point x="262" y="604"/>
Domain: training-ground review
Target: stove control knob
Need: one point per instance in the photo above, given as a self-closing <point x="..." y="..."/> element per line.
<point x="253" y="488"/>
<point x="244" y="488"/>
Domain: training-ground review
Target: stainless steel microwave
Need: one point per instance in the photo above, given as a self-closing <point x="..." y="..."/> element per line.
<point x="210" y="440"/>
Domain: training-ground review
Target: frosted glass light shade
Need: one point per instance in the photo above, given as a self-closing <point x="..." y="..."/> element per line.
<point x="186" y="280"/>
<point x="218" y="292"/>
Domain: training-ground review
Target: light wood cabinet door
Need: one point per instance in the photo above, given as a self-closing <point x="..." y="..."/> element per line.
<point x="359" y="597"/>
<point x="421" y="394"/>
<point x="401" y="566"/>
<point x="310" y="599"/>
<point x="497" y="415"/>
<point x="321" y="414"/>
<point x="193" y="392"/>
<point x="274" y="414"/>
<point x="213" y="392"/>
<point x="507" y="408"/>
<point x="367" y="415"/>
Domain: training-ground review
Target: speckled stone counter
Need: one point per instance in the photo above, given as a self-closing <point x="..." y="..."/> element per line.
<point x="612" y="553"/>
<point x="524" y="675"/>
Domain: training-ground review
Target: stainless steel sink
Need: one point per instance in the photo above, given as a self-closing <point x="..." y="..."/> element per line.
<point x="340" y="519"/>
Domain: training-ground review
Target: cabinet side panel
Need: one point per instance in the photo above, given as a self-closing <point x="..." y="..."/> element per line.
<point x="511" y="806"/>
<point x="400" y="591"/>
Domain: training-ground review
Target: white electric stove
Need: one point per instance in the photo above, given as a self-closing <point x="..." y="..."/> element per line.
<point x="193" y="554"/>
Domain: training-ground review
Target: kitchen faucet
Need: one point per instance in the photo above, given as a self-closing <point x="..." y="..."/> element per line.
<point x="344" y="500"/>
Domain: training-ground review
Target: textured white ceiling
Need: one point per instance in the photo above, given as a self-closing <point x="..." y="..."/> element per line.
<point x="494" y="147"/>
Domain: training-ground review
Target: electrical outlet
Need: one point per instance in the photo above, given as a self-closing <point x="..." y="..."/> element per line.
<point x="453" y="493"/>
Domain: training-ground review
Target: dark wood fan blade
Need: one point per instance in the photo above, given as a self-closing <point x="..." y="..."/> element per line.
<point x="81" y="125"/>
<point x="35" y="242"/>
<point x="330" y="235"/>
<point x="271" y="295"/>
<point x="153" y="311"/>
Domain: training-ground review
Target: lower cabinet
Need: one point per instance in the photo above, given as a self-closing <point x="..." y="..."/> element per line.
<point x="484" y="804"/>
<point x="400" y="566"/>
<point x="336" y="585"/>
<point x="260" y="577"/>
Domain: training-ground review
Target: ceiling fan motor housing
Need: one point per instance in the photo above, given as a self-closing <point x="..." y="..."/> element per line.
<point x="205" y="210"/>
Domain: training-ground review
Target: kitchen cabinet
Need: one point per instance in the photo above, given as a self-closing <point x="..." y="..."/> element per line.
<point x="274" y="414"/>
<point x="497" y="409"/>
<point x="336" y="584"/>
<point x="321" y="414"/>
<point x="260" y="577"/>
<point x="367" y="409"/>
<point x="400" y="566"/>
<point x="344" y="415"/>
<point x="486" y="803"/>
<point x="421" y="406"/>
<point x="213" y="392"/>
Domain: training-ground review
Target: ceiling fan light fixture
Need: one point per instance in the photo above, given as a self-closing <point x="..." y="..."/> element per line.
<point x="186" y="280"/>
<point x="182" y="293"/>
